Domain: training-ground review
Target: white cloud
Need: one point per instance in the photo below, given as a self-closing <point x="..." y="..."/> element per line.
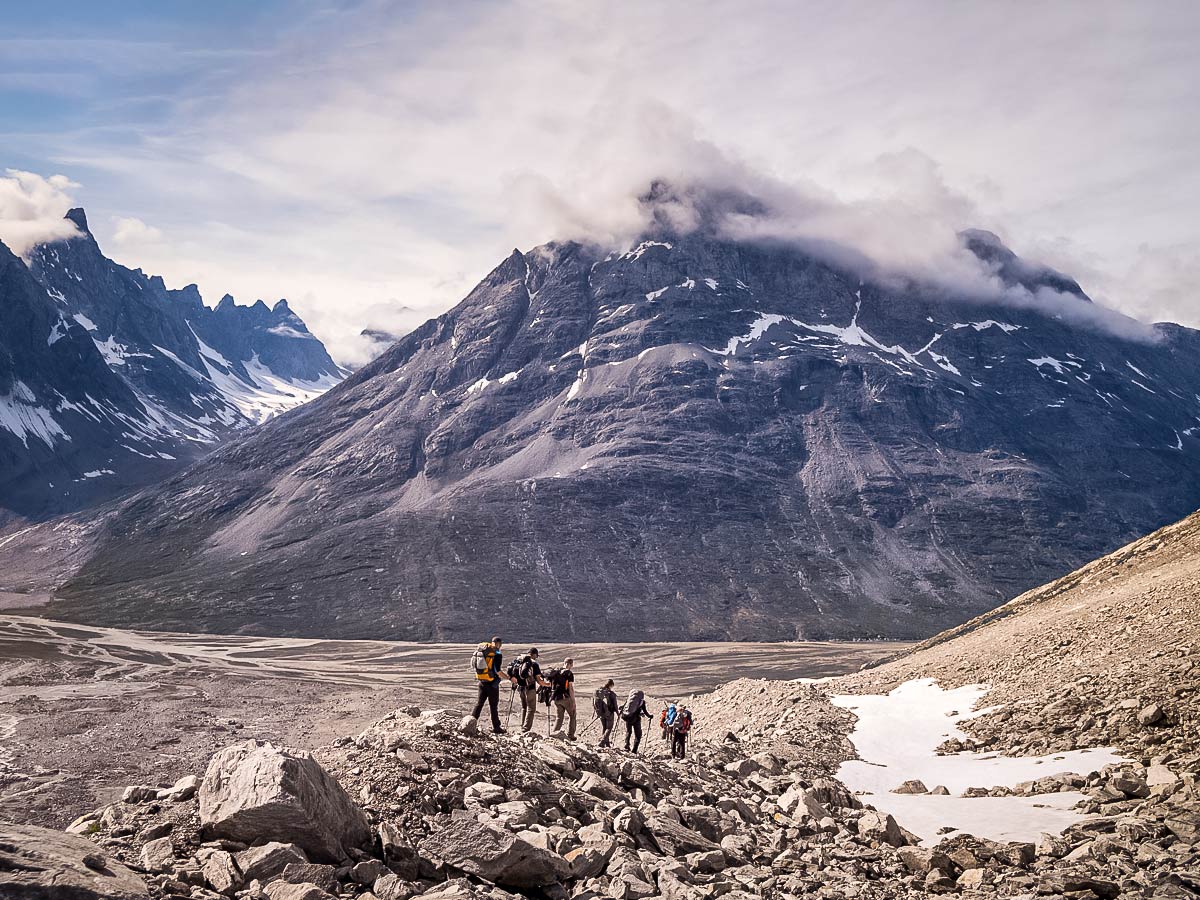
<point x="392" y="152"/>
<point x="132" y="231"/>
<point x="32" y="209"/>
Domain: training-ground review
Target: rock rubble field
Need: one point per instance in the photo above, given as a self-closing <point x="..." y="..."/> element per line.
<point x="420" y="804"/>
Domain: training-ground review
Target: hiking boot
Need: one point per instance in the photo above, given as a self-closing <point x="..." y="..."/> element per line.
<point x="500" y="731"/>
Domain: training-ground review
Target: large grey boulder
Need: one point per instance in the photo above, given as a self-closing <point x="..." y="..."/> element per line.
<point x="493" y="855"/>
<point x="256" y="791"/>
<point x="675" y="839"/>
<point x="40" y="864"/>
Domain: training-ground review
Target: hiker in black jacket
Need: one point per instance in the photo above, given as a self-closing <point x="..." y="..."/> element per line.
<point x="529" y="677"/>
<point x="604" y="704"/>
<point x="489" y="680"/>
<point x="632" y="712"/>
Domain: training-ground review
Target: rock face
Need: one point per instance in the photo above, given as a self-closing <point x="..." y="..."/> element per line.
<point x="494" y="855"/>
<point x="254" y="791"/>
<point x="695" y="437"/>
<point x="106" y="371"/>
<point x="40" y="864"/>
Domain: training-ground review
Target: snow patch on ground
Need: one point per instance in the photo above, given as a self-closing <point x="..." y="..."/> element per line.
<point x="897" y="736"/>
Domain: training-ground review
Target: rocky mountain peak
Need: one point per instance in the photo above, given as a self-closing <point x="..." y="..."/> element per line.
<point x="79" y="217"/>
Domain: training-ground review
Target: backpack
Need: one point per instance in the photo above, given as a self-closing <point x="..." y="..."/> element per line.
<point x="683" y="722"/>
<point x="559" y="679"/>
<point x="481" y="661"/>
<point x="633" y="706"/>
<point x="669" y="715"/>
<point x="515" y="669"/>
<point x="600" y="703"/>
<point x="546" y="692"/>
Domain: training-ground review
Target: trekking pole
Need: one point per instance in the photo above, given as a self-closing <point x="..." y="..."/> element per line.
<point x="512" y="694"/>
<point x="595" y="719"/>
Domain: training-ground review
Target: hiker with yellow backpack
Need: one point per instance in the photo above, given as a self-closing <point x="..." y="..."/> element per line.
<point x="488" y="663"/>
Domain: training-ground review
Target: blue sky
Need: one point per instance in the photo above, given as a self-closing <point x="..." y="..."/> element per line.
<point x="372" y="160"/>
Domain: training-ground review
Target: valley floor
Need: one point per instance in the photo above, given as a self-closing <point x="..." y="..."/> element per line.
<point x="85" y="711"/>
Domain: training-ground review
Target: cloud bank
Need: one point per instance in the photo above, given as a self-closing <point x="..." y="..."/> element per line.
<point x="391" y="153"/>
<point x="32" y="209"/>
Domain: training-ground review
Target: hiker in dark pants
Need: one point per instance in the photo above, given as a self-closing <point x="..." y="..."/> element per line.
<point x="632" y="712"/>
<point x="529" y="678"/>
<point x="564" y="698"/>
<point x="679" y="732"/>
<point x="604" y="704"/>
<point x="489" y="670"/>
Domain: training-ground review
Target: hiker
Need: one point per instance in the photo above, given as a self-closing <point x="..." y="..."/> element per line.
<point x="604" y="704"/>
<point x="665" y="720"/>
<point x="528" y="674"/>
<point x="679" y="732"/>
<point x="487" y="661"/>
<point x="632" y="712"/>
<point x="564" y="697"/>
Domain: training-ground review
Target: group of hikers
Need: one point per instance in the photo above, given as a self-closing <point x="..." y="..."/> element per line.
<point x="556" y="687"/>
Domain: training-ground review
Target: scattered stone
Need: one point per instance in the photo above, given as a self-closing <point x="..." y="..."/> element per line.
<point x="913" y="786"/>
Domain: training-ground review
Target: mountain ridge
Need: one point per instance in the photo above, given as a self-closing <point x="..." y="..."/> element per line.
<point x="694" y="438"/>
<point x="181" y="377"/>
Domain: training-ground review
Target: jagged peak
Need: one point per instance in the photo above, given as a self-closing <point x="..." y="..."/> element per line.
<point x="281" y="306"/>
<point x="226" y="303"/>
<point x="79" y="217"/>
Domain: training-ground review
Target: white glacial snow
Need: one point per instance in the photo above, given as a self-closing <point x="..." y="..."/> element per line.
<point x="21" y="415"/>
<point x="896" y="737"/>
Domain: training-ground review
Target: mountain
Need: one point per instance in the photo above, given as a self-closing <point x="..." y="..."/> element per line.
<point x="71" y="430"/>
<point x="694" y="438"/>
<point x="179" y="377"/>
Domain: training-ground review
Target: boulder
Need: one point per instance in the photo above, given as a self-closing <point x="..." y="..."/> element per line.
<point x="743" y="767"/>
<point x="183" y="789"/>
<point x="484" y="793"/>
<point x="158" y="855"/>
<point x="41" y="864"/>
<point x="392" y="887"/>
<point x="493" y="855"/>
<point x="1151" y="715"/>
<point x="921" y="860"/>
<point x="554" y="758"/>
<point x="221" y="873"/>
<point x="468" y="725"/>
<point x="797" y="801"/>
<point x="138" y="793"/>
<point x="586" y="862"/>
<point x="675" y="839"/>
<point x="876" y="826"/>
<point x="912" y="786"/>
<point x="1158" y="776"/>
<point x="255" y="791"/>
<point x="1130" y="785"/>
<point x="285" y="890"/>
<point x="629" y="821"/>
<point x="705" y="819"/>
<point x="267" y="861"/>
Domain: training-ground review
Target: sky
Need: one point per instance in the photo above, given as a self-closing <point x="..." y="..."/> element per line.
<point x="371" y="161"/>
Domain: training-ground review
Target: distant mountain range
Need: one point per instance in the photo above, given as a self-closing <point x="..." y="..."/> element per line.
<point x="688" y="437"/>
<point x="109" y="380"/>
